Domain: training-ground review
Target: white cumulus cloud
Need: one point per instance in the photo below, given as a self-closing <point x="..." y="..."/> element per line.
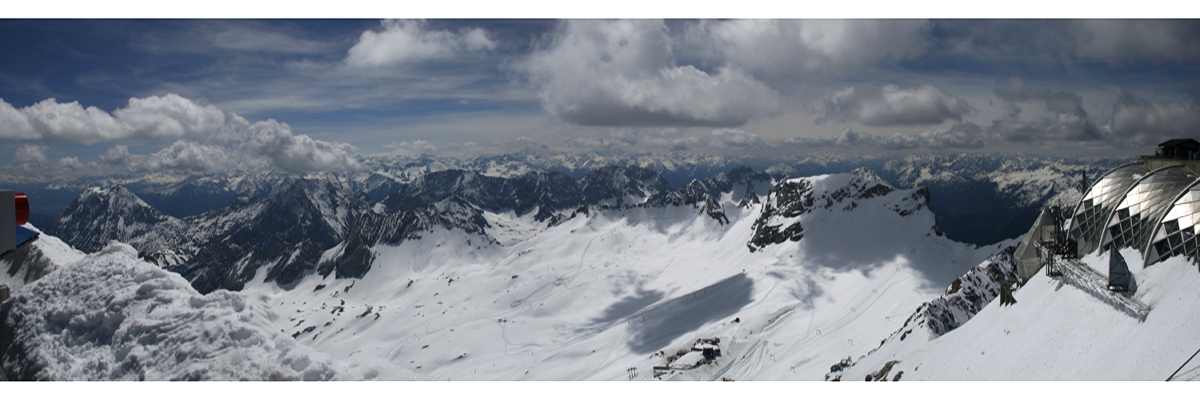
<point x="30" y="153"/>
<point x="208" y="138"/>
<point x="72" y="123"/>
<point x="410" y="41"/>
<point x="622" y="73"/>
<point x="70" y="163"/>
<point x="188" y="156"/>
<point x="168" y="116"/>
<point x="117" y="155"/>
<point x="154" y="117"/>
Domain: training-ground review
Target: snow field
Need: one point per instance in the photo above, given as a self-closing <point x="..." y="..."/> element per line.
<point x="596" y="297"/>
<point x="41" y="256"/>
<point x="1059" y="332"/>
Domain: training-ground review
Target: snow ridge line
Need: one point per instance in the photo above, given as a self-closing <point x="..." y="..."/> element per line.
<point x="1088" y="280"/>
<point x="965" y="298"/>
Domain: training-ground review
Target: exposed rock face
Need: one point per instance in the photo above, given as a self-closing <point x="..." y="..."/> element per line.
<point x="786" y="204"/>
<point x="791" y="199"/>
<point x="353" y="258"/>
<point x="223" y="248"/>
<point x="286" y="234"/>
<point x="965" y="298"/>
<point x="620" y="186"/>
<point x="100" y="215"/>
<point x="969" y="294"/>
<point x="544" y="191"/>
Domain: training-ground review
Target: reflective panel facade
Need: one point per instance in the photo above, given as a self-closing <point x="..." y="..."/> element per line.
<point x="1176" y="234"/>
<point x="1091" y="214"/>
<point x="1133" y="220"/>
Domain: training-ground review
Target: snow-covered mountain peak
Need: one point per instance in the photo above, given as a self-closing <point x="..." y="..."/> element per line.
<point x="99" y="215"/>
<point x="336" y="204"/>
<point x="116" y="197"/>
<point x="616" y="185"/>
<point x="830" y="212"/>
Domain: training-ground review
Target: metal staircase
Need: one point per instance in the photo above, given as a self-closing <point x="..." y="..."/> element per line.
<point x="1080" y="275"/>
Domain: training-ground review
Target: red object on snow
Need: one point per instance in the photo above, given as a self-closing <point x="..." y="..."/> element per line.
<point x="22" y="208"/>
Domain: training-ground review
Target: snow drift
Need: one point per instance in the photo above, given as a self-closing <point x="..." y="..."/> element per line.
<point x="111" y="316"/>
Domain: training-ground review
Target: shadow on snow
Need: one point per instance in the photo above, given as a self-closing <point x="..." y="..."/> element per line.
<point x="654" y="326"/>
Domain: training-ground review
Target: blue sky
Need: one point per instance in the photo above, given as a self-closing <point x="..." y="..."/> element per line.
<point x="303" y="95"/>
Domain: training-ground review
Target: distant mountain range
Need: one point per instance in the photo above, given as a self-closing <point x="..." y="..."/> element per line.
<point x="465" y="274"/>
<point x="285" y="233"/>
<point x="461" y="275"/>
<point x="978" y="198"/>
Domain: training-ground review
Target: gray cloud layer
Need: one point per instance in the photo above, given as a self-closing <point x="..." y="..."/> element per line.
<point x="964" y="135"/>
<point x="893" y="106"/>
<point x="1068" y="121"/>
<point x="734" y="138"/>
<point x="1145" y="122"/>
<point x="1125" y="42"/>
<point x="790" y="47"/>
